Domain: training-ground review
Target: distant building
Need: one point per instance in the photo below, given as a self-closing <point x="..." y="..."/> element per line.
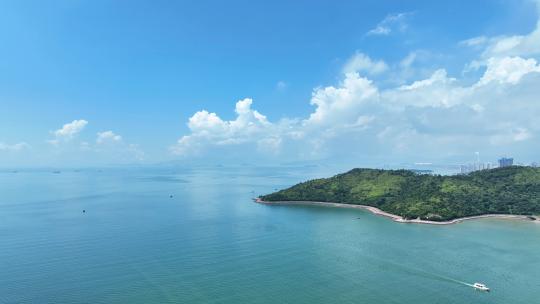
<point x="468" y="168"/>
<point x="506" y="162"/>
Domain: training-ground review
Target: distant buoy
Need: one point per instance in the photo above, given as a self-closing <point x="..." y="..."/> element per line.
<point x="170" y="196"/>
<point x="84" y="211"/>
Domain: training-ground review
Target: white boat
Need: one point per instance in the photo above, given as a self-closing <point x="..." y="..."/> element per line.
<point x="480" y="286"/>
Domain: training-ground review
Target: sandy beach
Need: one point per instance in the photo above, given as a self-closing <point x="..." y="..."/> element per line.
<point x="394" y="217"/>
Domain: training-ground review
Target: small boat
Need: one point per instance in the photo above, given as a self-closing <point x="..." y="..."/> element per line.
<point x="480" y="286"/>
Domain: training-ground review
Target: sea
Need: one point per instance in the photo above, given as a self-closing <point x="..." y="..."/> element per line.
<point x="179" y="234"/>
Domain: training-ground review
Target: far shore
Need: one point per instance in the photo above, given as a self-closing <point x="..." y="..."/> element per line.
<point x="397" y="218"/>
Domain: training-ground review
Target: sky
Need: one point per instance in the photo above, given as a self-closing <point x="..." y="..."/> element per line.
<point x="367" y="83"/>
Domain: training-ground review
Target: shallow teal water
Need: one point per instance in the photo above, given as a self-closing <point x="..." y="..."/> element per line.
<point x="211" y="244"/>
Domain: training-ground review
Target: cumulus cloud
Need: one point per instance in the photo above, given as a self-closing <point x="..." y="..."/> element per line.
<point x="426" y="116"/>
<point x="360" y="62"/>
<point x="68" y="131"/>
<point x="390" y="23"/>
<point x="209" y="128"/>
<point x="439" y="115"/>
<point x="107" y="137"/>
<point x="71" y="129"/>
<point x="508" y="69"/>
<point x="438" y="77"/>
<point x="504" y="47"/>
<point x="334" y="104"/>
<point x="519" y="45"/>
<point x="108" y="147"/>
<point x="111" y="147"/>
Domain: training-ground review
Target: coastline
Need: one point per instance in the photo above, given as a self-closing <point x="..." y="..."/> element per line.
<point x="394" y="217"/>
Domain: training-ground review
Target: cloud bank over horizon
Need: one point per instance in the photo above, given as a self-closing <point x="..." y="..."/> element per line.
<point x="359" y="84"/>
<point x="439" y="117"/>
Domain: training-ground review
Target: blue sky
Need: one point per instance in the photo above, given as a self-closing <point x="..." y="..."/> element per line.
<point x="103" y="82"/>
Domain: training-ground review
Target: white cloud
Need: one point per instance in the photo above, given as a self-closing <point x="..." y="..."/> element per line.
<point x="406" y="62"/>
<point x="438" y="77"/>
<point x="390" y="23"/>
<point x="438" y="90"/>
<point x="203" y="121"/>
<point x="208" y="128"/>
<point x="508" y="69"/>
<point x="438" y="115"/>
<point x="475" y="41"/>
<point x="107" y="137"/>
<point x="110" y="145"/>
<point x="425" y="116"/>
<point x="14" y="147"/>
<point x="504" y="46"/>
<point x="380" y="30"/>
<point x="519" y="45"/>
<point x="69" y="130"/>
<point x="334" y="103"/>
<point x="360" y="62"/>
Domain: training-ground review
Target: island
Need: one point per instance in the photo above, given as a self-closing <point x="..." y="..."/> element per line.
<point x="407" y="196"/>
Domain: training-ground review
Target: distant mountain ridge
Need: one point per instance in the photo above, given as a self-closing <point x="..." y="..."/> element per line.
<point x="510" y="190"/>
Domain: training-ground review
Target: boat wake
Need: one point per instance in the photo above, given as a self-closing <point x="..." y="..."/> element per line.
<point x="455" y="281"/>
<point x="426" y="274"/>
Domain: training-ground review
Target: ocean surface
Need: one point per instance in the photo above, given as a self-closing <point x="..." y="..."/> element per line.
<point x="209" y="243"/>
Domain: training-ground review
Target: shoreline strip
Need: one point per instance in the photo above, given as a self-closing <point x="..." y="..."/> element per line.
<point x="394" y="217"/>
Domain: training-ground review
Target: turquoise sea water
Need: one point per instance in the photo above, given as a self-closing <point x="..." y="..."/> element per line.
<point x="210" y="243"/>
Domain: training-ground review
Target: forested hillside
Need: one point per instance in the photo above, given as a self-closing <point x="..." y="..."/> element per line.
<point x="510" y="190"/>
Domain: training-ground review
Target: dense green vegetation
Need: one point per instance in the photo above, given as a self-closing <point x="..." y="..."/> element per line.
<point x="510" y="190"/>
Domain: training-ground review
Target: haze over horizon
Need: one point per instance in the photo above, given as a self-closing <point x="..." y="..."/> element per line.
<point x="88" y="83"/>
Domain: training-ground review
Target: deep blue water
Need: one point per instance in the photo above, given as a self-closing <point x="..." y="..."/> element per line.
<point x="210" y="243"/>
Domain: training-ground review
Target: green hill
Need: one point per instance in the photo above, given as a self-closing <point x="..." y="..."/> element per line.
<point x="510" y="190"/>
